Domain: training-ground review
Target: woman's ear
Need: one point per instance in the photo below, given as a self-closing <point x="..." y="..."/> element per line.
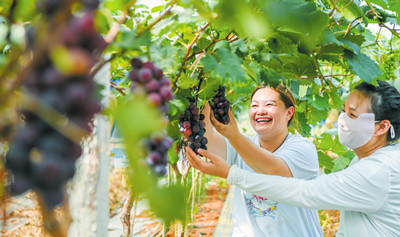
<point x="290" y="112"/>
<point x="382" y="127"/>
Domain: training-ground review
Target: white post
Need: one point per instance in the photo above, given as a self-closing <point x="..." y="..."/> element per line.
<point x="88" y="191"/>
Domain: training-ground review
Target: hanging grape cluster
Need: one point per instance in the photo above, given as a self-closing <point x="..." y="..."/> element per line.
<point x="157" y="148"/>
<point x="220" y="106"/>
<point x="149" y="77"/>
<point x="40" y="157"/>
<point x="389" y="65"/>
<point x="192" y="125"/>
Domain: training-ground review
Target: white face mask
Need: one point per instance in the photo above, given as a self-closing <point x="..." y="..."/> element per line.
<point x="354" y="133"/>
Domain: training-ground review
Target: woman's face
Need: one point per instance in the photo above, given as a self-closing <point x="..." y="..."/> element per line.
<point x="267" y="113"/>
<point x="355" y="104"/>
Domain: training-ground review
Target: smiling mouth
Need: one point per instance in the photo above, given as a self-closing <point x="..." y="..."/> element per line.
<point x="263" y="120"/>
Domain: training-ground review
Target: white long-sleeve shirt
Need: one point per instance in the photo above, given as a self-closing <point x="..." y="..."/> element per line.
<point x="367" y="192"/>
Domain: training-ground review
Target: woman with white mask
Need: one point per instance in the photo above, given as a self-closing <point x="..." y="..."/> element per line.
<point x="367" y="192"/>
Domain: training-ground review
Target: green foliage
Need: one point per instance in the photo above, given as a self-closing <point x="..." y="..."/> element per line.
<point x="137" y="120"/>
<point x="223" y="64"/>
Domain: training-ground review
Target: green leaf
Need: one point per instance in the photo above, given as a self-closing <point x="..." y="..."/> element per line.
<point x="350" y="10"/>
<point x="157" y="8"/>
<point x="128" y="40"/>
<point x="103" y="21"/>
<point x="394" y="5"/>
<point x="342" y="161"/>
<point x="172" y="155"/>
<point x="304" y="127"/>
<point x="208" y="88"/>
<point x="281" y="44"/>
<point x="319" y="102"/>
<point x="116" y="5"/>
<point x="362" y="66"/>
<point x="303" y="20"/>
<point x="224" y="64"/>
<point x="315" y="115"/>
<point x="186" y="82"/>
<point x="25" y="10"/>
<point x="167" y="57"/>
<point x="169" y="203"/>
<point x="242" y="16"/>
<point x="298" y="66"/>
<point x="325" y="162"/>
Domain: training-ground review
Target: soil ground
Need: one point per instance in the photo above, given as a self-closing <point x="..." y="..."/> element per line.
<point x="26" y="220"/>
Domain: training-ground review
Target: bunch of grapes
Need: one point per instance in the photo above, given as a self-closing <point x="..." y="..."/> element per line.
<point x="220" y="106"/>
<point x="52" y="7"/>
<point x="390" y="65"/>
<point x="192" y="125"/>
<point x="157" y="149"/>
<point x="39" y="156"/>
<point x="149" y="77"/>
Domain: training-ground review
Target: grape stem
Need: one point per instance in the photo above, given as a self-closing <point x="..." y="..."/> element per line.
<point x="50" y="222"/>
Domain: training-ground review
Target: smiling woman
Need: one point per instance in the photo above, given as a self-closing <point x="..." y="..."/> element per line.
<point x="273" y="150"/>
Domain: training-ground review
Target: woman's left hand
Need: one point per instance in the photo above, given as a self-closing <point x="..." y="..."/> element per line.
<point x="217" y="166"/>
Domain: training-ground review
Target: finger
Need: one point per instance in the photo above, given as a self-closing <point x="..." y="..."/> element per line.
<point x="231" y="116"/>
<point x="193" y="159"/>
<point x="212" y="118"/>
<point x="207" y="154"/>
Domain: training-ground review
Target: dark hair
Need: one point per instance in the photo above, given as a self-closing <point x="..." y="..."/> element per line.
<point x="385" y="104"/>
<point x="285" y="95"/>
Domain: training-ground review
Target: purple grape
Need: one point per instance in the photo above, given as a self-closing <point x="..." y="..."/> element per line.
<point x="155" y="98"/>
<point x="136" y="63"/>
<point x="158" y="73"/>
<point x="166" y="93"/>
<point x="152" y="85"/>
<point x="144" y="75"/>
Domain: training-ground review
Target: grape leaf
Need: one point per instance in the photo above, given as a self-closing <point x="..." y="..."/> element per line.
<point x="325" y="162"/>
<point x="350" y="10"/>
<point x="298" y="66"/>
<point x="224" y="64"/>
<point x="128" y="40"/>
<point x="166" y="56"/>
<point x="342" y="161"/>
<point x="362" y="66"/>
<point x="394" y="5"/>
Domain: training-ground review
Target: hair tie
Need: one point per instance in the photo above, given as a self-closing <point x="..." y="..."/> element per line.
<point x="392" y="134"/>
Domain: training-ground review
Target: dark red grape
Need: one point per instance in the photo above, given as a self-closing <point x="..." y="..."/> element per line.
<point x="220" y="106"/>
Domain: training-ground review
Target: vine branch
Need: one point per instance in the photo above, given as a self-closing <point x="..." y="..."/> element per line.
<point x="166" y="13"/>
<point x="188" y="51"/>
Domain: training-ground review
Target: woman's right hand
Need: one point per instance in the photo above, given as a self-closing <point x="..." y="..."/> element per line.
<point x="229" y="130"/>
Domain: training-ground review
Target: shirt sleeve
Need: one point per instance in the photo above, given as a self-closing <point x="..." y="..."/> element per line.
<point x="301" y="157"/>
<point x="362" y="187"/>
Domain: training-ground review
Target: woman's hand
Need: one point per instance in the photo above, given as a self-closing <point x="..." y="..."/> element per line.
<point x="229" y="130"/>
<point x="217" y="166"/>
